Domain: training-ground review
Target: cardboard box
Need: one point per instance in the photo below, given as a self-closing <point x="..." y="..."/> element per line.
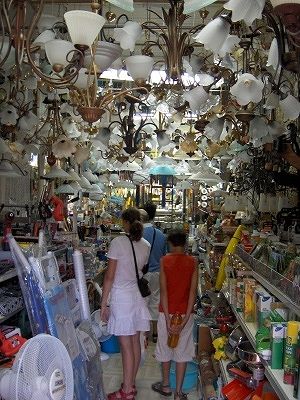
<point x="204" y="340"/>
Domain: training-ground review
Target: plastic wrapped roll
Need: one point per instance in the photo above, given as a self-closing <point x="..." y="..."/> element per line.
<point x="81" y="285"/>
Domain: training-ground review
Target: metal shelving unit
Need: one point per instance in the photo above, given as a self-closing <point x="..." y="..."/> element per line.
<point x="4" y="318"/>
<point x="8" y="275"/>
<point x="275" y="283"/>
<point x="274" y="376"/>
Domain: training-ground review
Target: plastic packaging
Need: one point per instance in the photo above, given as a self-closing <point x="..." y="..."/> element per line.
<point x="289" y="363"/>
<point x="81" y="284"/>
<point x="173" y="338"/>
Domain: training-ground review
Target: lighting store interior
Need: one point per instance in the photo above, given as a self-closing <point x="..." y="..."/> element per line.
<point x="191" y="107"/>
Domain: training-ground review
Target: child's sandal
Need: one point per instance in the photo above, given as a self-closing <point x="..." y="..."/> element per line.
<point x="180" y="396"/>
<point x="121" y="395"/>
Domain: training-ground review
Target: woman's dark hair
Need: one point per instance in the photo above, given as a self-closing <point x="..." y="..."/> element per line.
<point x="133" y="216"/>
<point x="177" y="237"/>
<point x="150" y="208"/>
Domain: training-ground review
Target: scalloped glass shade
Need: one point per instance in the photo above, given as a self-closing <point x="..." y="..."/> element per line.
<point x="83" y="26"/>
<point x="195" y="5"/>
<point x="7" y="170"/>
<point x="139" y="67"/>
<point x="57" y="51"/>
<point x="66" y="188"/>
<point x="83" y="79"/>
<point x="218" y="29"/>
<point x="196" y="97"/>
<point x="57" y="172"/>
<point x="128" y="35"/>
<point x="245" y="9"/>
<point x="126" y="5"/>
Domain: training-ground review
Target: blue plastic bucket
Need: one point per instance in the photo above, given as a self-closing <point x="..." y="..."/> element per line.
<point x="190" y="381"/>
<point x="111" y="345"/>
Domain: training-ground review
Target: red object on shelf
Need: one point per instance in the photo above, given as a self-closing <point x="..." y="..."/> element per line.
<point x="236" y="390"/>
<point x="9" y="346"/>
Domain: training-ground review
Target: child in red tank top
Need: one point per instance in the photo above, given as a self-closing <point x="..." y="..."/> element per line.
<point x="178" y="289"/>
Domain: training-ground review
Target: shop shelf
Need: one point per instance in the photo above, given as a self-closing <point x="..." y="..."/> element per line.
<point x="274" y="376"/>
<point x="278" y="285"/>
<point x="4" y="318"/>
<point x="226" y="378"/>
<point x="8" y="275"/>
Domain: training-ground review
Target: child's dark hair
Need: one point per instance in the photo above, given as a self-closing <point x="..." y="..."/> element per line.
<point x="133" y="216"/>
<point x="150" y="208"/>
<point x="177" y="237"/>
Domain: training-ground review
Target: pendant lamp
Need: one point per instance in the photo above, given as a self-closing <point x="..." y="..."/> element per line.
<point x="195" y="5"/>
<point x="126" y="5"/>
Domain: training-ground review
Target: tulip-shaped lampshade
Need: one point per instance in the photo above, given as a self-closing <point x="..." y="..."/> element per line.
<point x="128" y="35"/>
<point x="196" y="98"/>
<point x="57" y="53"/>
<point x="218" y="29"/>
<point x="83" y="80"/>
<point x="83" y="26"/>
<point x="191" y="6"/>
<point x="245" y="9"/>
<point x="139" y="67"/>
<point x="126" y="5"/>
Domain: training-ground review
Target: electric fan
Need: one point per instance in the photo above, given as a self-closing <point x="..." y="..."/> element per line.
<point x="42" y="370"/>
<point x="99" y="328"/>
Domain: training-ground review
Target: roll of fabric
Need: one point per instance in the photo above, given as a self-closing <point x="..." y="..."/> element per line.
<point x="81" y="285"/>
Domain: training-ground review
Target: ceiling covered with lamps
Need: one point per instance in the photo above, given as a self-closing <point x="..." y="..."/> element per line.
<point x="95" y="86"/>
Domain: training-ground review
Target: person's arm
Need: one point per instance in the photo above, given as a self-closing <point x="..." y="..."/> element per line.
<point x="164" y="294"/>
<point x="107" y="284"/>
<point x="192" y="296"/>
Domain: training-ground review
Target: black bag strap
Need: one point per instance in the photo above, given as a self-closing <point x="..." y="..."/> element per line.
<point x="135" y="263"/>
<point x="153" y="239"/>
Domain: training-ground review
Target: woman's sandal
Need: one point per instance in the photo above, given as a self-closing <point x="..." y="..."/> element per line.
<point x="180" y="396"/>
<point x="121" y="395"/>
<point x="154" y="338"/>
<point x="159" y="388"/>
<point x="134" y="390"/>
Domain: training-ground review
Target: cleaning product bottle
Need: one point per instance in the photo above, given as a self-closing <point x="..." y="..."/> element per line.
<point x="289" y="362"/>
<point x="173" y="338"/>
<point x="296" y="392"/>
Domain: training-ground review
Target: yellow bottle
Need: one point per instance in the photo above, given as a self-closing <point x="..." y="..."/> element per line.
<point x="173" y="338"/>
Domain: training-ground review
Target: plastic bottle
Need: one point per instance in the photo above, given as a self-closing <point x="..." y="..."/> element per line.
<point x="289" y="362"/>
<point x="173" y="338"/>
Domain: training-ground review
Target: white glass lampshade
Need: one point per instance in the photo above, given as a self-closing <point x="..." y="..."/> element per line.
<point x="218" y="29"/>
<point x="126" y="5"/>
<point x="191" y="6"/>
<point x="83" y="79"/>
<point x="139" y="67"/>
<point x="7" y="170"/>
<point x="290" y="107"/>
<point x="66" y="189"/>
<point x="4" y="147"/>
<point x="196" y="97"/>
<point x="83" y="26"/>
<point x="245" y="9"/>
<point x="273" y="56"/>
<point x="57" y="51"/>
<point x="84" y="183"/>
<point x="128" y="35"/>
<point x="90" y="176"/>
<point x="73" y="174"/>
<point x="57" y="172"/>
<point x="44" y="37"/>
<point x="247" y="89"/>
<point x="75" y="185"/>
<point x="103" y="61"/>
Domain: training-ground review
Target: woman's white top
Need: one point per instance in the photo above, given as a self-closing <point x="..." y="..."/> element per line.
<point x="120" y="249"/>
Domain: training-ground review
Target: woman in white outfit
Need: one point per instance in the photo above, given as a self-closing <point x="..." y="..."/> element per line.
<point x="127" y="314"/>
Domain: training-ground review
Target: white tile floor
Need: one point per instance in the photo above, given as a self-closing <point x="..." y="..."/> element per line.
<point x="148" y="374"/>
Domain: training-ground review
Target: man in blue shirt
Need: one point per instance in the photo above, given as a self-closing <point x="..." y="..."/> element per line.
<point x="158" y="244"/>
